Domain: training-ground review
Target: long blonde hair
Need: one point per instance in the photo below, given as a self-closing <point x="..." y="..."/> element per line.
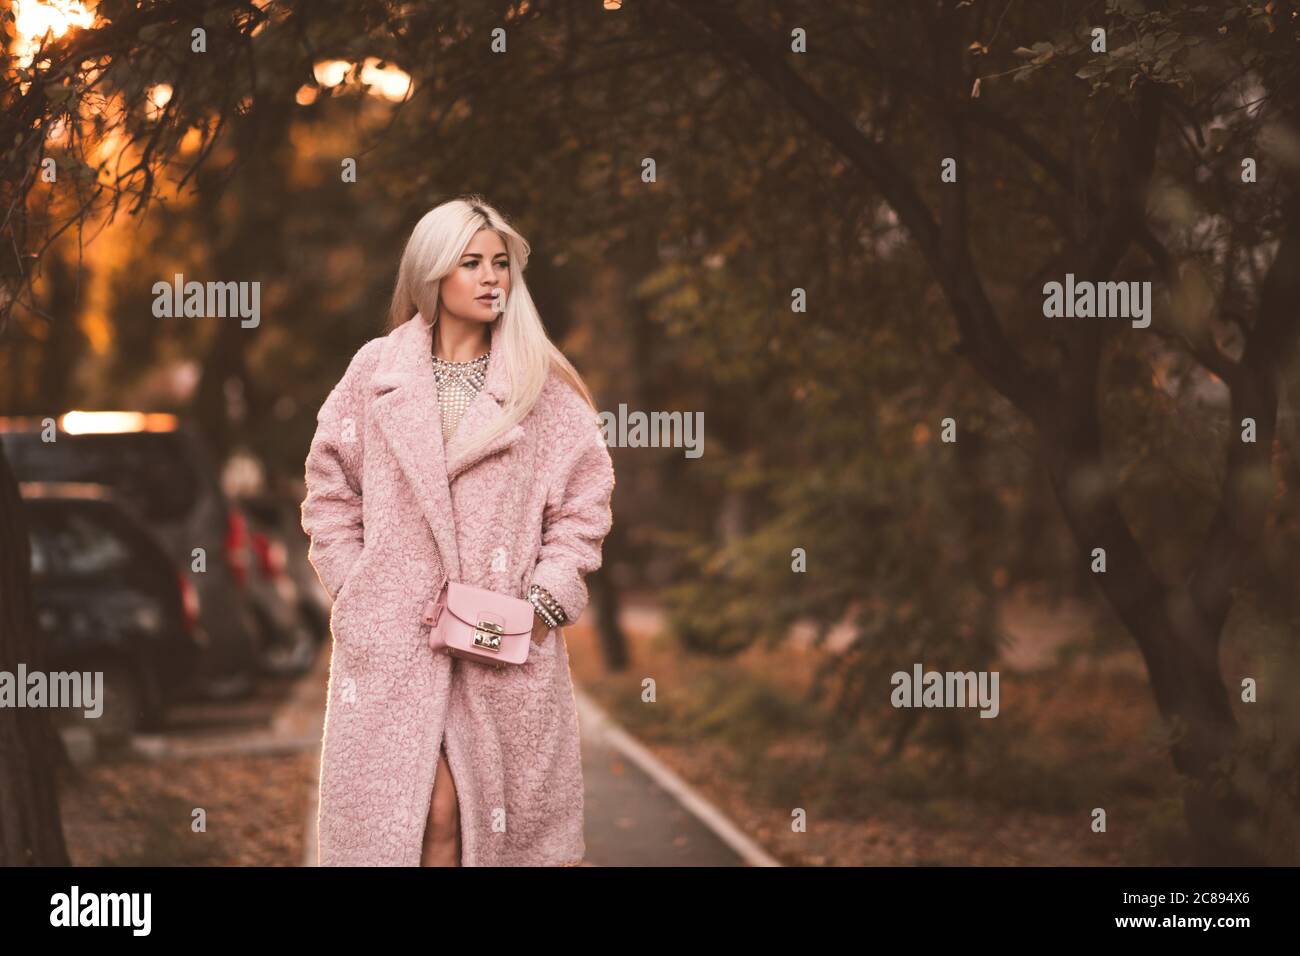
<point x="432" y="251"/>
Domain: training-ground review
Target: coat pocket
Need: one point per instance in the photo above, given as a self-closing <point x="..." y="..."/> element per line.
<point x="343" y="599"/>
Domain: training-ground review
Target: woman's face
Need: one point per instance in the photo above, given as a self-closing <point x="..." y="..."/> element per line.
<point x="468" y="291"/>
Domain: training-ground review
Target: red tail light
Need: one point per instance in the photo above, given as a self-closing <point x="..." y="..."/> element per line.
<point x="189" y="602"/>
<point x="270" y="555"/>
<point x="236" y="544"/>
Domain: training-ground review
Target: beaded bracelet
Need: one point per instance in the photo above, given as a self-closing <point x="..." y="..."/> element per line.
<point x="547" y="617"/>
<point x="548" y="609"/>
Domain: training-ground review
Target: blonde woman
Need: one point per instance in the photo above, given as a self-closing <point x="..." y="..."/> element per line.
<point x="461" y="445"/>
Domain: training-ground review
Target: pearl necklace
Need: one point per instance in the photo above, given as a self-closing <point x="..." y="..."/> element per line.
<point x="458" y="383"/>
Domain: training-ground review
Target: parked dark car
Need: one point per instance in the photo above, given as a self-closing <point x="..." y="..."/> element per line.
<point x="161" y="469"/>
<point x="289" y="643"/>
<point x="109" y="598"/>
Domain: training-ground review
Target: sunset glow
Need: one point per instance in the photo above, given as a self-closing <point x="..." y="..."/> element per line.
<point x="33" y="21"/>
<point x="388" y="81"/>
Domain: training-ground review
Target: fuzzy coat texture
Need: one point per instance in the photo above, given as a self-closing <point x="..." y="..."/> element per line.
<point x="391" y="514"/>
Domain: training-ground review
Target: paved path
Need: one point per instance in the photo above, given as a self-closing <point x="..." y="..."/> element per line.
<point x="638" y="812"/>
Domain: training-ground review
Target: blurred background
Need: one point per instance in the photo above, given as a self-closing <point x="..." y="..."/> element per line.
<point x="824" y="226"/>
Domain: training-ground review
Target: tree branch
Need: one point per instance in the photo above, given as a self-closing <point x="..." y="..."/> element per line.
<point x="982" y="339"/>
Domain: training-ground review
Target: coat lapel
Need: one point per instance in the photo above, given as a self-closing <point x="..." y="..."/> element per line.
<point x="405" y="409"/>
<point x="483" y="412"/>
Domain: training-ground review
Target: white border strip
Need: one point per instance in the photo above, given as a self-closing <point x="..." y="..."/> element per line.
<point x="595" y="718"/>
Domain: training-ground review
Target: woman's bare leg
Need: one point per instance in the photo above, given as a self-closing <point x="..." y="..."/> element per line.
<point x="442" y="829"/>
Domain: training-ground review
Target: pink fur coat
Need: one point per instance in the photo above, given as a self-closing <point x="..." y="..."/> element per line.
<point x="391" y="514"/>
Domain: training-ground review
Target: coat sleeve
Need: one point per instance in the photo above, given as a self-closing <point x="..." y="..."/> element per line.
<point x="577" y="518"/>
<point x="331" y="511"/>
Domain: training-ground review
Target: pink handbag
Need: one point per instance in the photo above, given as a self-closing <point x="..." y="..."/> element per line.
<point x="477" y="624"/>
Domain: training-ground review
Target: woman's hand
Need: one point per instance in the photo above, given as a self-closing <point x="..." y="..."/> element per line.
<point x="540" y="630"/>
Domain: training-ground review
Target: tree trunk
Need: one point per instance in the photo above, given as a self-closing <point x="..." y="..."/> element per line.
<point x="1180" y="647"/>
<point x="31" y="833"/>
<point x="613" y="641"/>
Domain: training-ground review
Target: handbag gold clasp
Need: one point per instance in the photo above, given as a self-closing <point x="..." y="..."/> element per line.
<point x="488" y="635"/>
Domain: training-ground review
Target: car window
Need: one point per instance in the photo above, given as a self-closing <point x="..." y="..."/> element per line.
<point x="150" y="470"/>
<point x="75" y="542"/>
